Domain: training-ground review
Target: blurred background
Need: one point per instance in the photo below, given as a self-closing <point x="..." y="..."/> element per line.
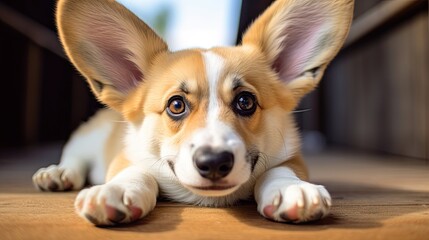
<point x="374" y="96"/>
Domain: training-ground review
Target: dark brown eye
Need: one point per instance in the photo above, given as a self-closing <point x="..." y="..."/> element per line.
<point x="176" y="107"/>
<point x="244" y="104"/>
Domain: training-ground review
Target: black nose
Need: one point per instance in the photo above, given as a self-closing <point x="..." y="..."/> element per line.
<point x="212" y="164"/>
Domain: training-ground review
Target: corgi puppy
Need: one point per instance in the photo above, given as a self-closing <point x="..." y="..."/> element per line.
<point x="207" y="127"/>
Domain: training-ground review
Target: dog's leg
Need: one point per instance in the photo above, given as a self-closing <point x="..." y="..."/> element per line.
<point x="70" y="173"/>
<point x="129" y="196"/>
<point x="282" y="196"/>
<point x="83" y="155"/>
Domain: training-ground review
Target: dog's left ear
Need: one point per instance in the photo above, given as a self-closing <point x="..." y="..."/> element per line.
<point x="300" y="37"/>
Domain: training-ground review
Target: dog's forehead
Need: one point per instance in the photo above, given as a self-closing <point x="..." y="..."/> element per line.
<point x="197" y="70"/>
<point x="214" y="65"/>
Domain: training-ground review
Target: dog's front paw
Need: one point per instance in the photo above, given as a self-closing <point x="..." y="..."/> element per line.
<point x="111" y="204"/>
<point x="296" y="203"/>
<point x="55" y="178"/>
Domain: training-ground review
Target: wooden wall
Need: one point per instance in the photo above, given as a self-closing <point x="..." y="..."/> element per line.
<point x="375" y="94"/>
<point x="43" y="98"/>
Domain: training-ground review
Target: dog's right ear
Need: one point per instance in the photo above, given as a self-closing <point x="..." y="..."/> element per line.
<point x="109" y="45"/>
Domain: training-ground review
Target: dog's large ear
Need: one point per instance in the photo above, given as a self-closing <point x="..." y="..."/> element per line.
<point x="300" y="37"/>
<point x="109" y="45"/>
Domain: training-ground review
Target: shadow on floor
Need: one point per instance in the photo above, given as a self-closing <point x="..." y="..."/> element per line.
<point x="354" y="207"/>
<point x="157" y="221"/>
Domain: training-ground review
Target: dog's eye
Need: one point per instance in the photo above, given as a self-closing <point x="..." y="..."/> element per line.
<point x="176" y="107"/>
<point x="244" y="104"/>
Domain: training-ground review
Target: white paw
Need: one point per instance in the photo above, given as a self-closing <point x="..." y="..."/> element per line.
<point x="55" y="178"/>
<point x="110" y="204"/>
<point x="296" y="203"/>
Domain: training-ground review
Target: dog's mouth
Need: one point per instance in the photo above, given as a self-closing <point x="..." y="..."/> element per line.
<point x="213" y="190"/>
<point x="213" y="187"/>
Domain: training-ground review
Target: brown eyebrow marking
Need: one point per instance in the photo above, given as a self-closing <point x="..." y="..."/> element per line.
<point x="236" y="83"/>
<point x="184" y="87"/>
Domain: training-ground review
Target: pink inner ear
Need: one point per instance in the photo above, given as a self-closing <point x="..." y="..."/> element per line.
<point x="303" y="40"/>
<point x="121" y="72"/>
<point x="112" y="56"/>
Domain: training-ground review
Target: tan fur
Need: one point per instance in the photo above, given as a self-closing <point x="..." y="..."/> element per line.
<point x="114" y="145"/>
<point x="297" y="164"/>
<point x="119" y="163"/>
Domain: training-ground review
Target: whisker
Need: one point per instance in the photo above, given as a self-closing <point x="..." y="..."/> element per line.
<point x="162" y="161"/>
<point x="302" y="110"/>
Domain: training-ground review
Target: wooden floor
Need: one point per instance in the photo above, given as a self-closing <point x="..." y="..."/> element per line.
<point x="375" y="197"/>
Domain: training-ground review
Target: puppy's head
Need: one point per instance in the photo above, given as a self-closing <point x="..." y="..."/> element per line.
<point x="210" y="117"/>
